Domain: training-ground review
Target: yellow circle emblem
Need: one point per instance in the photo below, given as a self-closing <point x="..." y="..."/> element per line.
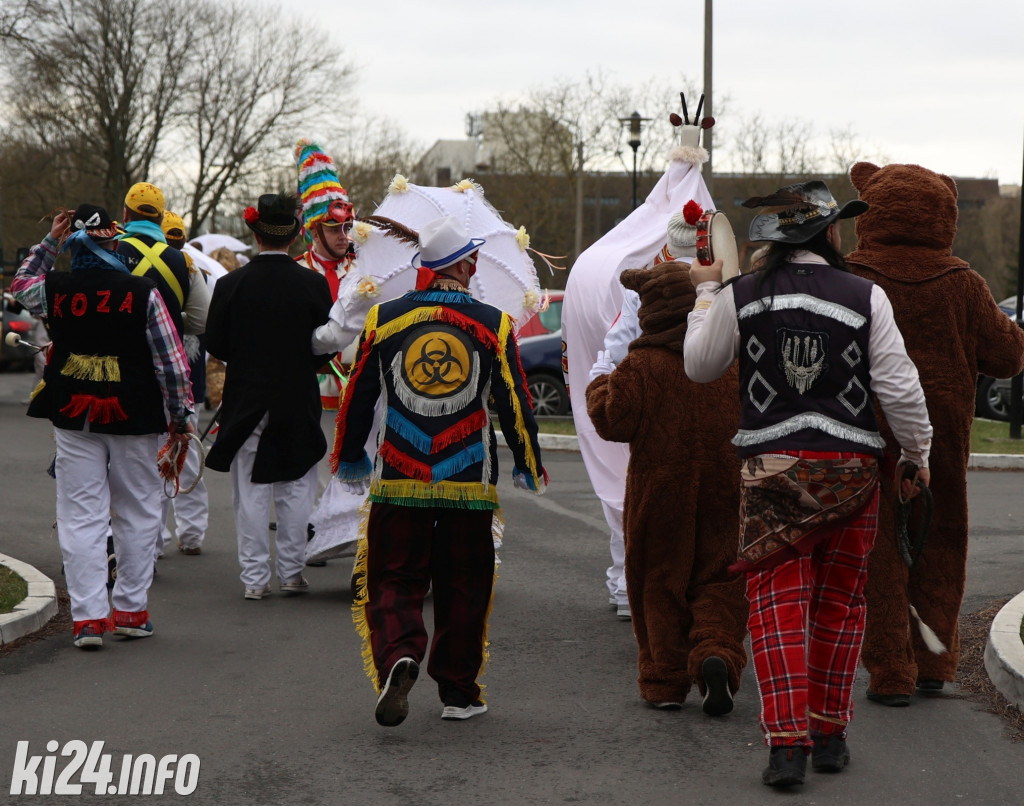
<point x="437" y="363"/>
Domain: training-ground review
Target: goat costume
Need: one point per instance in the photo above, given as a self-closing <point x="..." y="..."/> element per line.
<point x="953" y="330"/>
<point x="682" y="500"/>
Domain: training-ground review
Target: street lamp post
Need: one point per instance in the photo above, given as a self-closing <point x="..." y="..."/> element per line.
<point x="635" y="123"/>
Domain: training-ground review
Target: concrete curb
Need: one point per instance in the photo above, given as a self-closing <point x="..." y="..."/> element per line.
<point x="1004" y="652"/>
<point x="995" y="461"/>
<point x="35" y="610"/>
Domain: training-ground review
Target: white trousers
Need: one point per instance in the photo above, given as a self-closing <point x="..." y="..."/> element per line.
<point x="101" y="478"/>
<point x="191" y="510"/>
<point x="293" y="502"/>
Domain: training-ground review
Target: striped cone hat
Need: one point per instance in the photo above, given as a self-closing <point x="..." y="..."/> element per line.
<point x="319" y="185"/>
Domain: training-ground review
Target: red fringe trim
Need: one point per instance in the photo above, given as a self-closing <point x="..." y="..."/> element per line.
<point x="127" y="618"/>
<point x="461" y="430"/>
<point x="78" y="405"/>
<point x="522" y="374"/>
<point x="346" y="400"/>
<point x="101" y="624"/>
<point x="477" y="330"/>
<point x="104" y="409"/>
<point x="404" y="463"/>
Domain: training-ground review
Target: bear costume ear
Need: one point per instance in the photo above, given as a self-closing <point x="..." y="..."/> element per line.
<point x="633" y="279"/>
<point x="948" y="182"/>
<point x="861" y="173"/>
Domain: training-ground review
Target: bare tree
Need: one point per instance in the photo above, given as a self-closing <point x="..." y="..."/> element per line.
<point x="99" y="77"/>
<point x="251" y="87"/>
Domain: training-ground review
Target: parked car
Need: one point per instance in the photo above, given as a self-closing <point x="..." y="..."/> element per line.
<point x="540" y="351"/>
<point x="16" y="320"/>
<point x="993" y="396"/>
<point x="541" y="357"/>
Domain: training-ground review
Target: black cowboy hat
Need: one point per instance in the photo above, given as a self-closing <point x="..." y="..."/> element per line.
<point x="800" y="212"/>
<point x="274" y="217"/>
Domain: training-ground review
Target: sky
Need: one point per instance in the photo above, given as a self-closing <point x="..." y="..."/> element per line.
<point x="936" y="83"/>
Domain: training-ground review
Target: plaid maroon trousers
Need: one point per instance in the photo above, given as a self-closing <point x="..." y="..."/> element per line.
<point x="806" y="629"/>
<point x="408" y="550"/>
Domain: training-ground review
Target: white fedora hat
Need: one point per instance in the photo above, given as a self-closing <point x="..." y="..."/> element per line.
<point x="443" y="242"/>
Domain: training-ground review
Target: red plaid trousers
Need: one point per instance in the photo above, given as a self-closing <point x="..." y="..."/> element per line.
<point x="806" y="629"/>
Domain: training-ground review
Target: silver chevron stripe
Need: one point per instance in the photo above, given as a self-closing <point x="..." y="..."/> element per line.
<point x="745" y="437"/>
<point x="806" y="302"/>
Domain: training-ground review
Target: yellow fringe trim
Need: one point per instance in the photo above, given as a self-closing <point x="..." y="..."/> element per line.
<point x="506" y="375"/>
<point x="370" y="324"/>
<point x="92" y="368"/>
<point x="361" y="598"/>
<point x="417" y="316"/>
<point x="437" y="492"/>
<point x="39" y="388"/>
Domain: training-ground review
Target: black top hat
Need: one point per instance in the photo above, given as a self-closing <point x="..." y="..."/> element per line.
<point x="802" y="211"/>
<point x="274" y="216"/>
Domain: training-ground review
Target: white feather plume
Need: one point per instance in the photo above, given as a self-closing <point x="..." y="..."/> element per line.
<point x="931" y="640"/>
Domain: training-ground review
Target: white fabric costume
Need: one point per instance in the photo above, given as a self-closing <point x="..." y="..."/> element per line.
<point x="593" y="300"/>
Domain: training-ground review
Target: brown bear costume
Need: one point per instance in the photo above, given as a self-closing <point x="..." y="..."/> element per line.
<point x="681" y="518"/>
<point x="953" y="330"/>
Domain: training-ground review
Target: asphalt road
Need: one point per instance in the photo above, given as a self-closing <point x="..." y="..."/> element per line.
<point x="270" y="696"/>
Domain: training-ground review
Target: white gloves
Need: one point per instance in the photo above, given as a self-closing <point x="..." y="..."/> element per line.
<point x="524" y="482"/>
<point x="357" y="487"/>
<point x="602" y="366"/>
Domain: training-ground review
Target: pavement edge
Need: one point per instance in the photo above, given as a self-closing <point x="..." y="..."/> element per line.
<point x="35" y="609"/>
<point x="1004" y="651"/>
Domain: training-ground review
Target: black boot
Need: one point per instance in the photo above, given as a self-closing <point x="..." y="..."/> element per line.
<point x="786" y="766"/>
<point x="830" y="753"/>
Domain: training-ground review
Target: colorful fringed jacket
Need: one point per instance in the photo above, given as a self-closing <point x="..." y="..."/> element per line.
<point x="436" y="357"/>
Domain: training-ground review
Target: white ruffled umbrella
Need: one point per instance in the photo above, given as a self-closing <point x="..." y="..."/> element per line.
<point x="505" y="278"/>
<point x="212" y="241"/>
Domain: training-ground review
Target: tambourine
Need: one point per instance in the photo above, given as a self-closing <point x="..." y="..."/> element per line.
<point x="715" y="240"/>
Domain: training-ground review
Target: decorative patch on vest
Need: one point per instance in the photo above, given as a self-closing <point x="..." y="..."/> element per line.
<point x="763" y="388"/>
<point x="844" y="397"/>
<point x="803" y="357"/>
<point x="755" y="349"/>
<point x="436" y="371"/>
<point x="853" y="354"/>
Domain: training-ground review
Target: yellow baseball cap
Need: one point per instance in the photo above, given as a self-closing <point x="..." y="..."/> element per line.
<point x="146" y="199"/>
<point x="173" y="225"/>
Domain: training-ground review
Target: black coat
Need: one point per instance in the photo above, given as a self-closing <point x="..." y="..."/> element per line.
<point x="261" y="320"/>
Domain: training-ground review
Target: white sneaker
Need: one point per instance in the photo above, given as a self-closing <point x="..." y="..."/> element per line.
<point x="471" y="710"/>
<point x="623" y="612"/>
<point x="297" y="584"/>
<point x="257" y="593"/>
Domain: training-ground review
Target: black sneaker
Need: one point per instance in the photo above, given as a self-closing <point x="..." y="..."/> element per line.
<point x="830" y="753"/>
<point x="929" y="687"/>
<point x="717" y="697"/>
<point x="393" y="702"/>
<point x="892" y="700"/>
<point x="786" y="766"/>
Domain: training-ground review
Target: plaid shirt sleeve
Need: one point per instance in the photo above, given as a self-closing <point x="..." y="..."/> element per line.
<point x="169" y="361"/>
<point x="29" y="286"/>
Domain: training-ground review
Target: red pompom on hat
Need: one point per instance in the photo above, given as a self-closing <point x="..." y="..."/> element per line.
<point x="692" y="212"/>
<point x="251" y="215"/>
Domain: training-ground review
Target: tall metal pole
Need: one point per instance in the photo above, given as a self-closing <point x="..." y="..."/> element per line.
<point x="708" y="174"/>
<point x="578" y="247"/>
<point x="635" y="147"/>
<point x="1017" y="384"/>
